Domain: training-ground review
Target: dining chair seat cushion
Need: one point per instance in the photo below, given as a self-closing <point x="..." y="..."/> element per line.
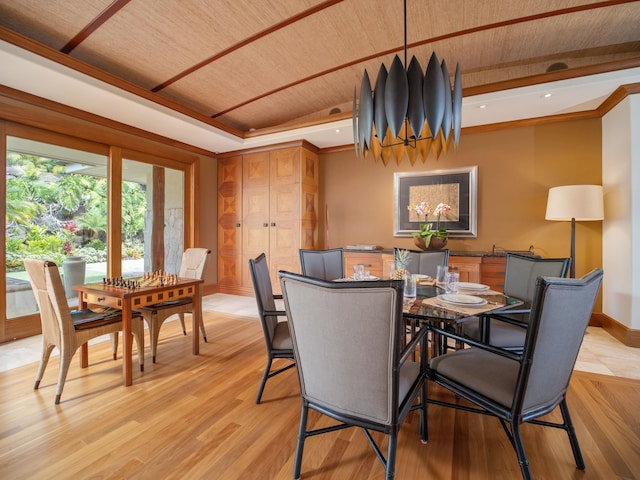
<point x="281" y="337"/>
<point x="87" y="318"/>
<point x="491" y="375"/>
<point x="503" y="334"/>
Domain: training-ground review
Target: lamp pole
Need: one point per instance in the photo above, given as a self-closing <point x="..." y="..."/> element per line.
<point x="572" y="268"/>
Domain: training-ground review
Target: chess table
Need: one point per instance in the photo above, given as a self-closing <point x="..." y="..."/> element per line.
<point x="140" y="293"/>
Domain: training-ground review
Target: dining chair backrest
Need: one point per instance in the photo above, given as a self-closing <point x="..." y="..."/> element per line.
<point x="50" y="297"/>
<point x="426" y="262"/>
<point x="194" y="261"/>
<point x="323" y="264"/>
<point x="355" y="377"/>
<point x="522" y="271"/>
<point x="560" y="315"/>
<point x="263" y="290"/>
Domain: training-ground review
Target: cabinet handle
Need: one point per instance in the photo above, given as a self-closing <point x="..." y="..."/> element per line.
<point x="237" y="224"/>
<point x="265" y="224"/>
<point x="273" y="224"/>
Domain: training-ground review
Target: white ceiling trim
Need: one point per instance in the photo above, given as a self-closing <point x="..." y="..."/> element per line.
<point x="31" y="73"/>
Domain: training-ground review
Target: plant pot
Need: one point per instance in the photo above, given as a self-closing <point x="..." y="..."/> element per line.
<point x="73" y="270"/>
<point x="436" y="243"/>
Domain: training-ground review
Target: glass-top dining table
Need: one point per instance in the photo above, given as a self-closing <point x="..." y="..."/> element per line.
<point x="433" y="307"/>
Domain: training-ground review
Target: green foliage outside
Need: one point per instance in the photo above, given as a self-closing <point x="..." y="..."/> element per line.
<point x="52" y="214"/>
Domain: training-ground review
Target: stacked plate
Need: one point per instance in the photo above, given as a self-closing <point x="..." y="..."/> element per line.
<point x="459" y="299"/>
<point x="472" y="287"/>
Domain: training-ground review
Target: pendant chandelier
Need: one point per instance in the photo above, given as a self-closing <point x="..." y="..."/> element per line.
<point x="408" y="112"/>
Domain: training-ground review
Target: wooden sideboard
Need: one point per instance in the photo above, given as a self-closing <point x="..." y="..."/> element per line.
<point x="478" y="268"/>
<point x="377" y="262"/>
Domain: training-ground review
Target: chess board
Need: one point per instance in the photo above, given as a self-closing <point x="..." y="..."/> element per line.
<point x="154" y="279"/>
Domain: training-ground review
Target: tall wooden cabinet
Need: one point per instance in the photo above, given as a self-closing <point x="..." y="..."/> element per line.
<point x="267" y="203"/>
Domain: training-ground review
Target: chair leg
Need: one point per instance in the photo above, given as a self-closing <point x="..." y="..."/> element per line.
<point x="573" y="438"/>
<point x="65" y="362"/>
<point x="265" y="375"/>
<point x="114" y="344"/>
<point x="204" y="333"/>
<point x="181" y="317"/>
<point x="47" y="348"/>
<point x="424" y="427"/>
<point x="519" y="447"/>
<point x="302" y="434"/>
<point x="391" y="455"/>
<point x="138" y="335"/>
<point x="154" y="333"/>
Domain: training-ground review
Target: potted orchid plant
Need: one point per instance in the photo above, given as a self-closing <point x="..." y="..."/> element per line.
<point x="428" y="237"/>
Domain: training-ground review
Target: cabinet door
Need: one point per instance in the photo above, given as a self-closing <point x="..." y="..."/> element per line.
<point x="230" y="222"/>
<point x="255" y="210"/>
<point x="467" y="267"/>
<point x="284" y="229"/>
<point x="285" y="166"/>
<point x="492" y="272"/>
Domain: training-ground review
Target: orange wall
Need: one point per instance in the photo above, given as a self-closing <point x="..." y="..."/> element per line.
<point x="516" y="167"/>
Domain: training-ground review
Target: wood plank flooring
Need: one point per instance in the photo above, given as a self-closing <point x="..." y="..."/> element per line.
<point x="190" y="417"/>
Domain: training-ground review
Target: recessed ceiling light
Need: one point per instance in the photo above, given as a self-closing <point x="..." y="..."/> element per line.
<point x="337" y="130"/>
<point x="484" y="105"/>
<point x="547" y="95"/>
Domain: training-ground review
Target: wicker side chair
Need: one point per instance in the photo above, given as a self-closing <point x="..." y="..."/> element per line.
<point x="70" y="330"/>
<point x="193" y="264"/>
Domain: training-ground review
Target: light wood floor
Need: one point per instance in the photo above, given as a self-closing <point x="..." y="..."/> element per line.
<point x="190" y="417"/>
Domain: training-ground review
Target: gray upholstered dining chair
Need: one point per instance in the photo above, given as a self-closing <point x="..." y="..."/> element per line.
<point x="193" y="264"/>
<point x="426" y="262"/>
<point x="348" y="345"/>
<point x="521" y="388"/>
<point x="70" y="330"/>
<point x="520" y="282"/>
<point x="324" y="264"/>
<point x="274" y="322"/>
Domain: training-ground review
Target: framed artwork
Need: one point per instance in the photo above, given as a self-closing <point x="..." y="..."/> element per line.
<point x="456" y="187"/>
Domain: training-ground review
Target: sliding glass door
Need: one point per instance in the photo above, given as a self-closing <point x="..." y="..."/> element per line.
<point x="55" y="209"/>
<point x="59" y="204"/>
<point x="152" y="218"/>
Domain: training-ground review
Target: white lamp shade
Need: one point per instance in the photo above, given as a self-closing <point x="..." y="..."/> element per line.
<point x="582" y="202"/>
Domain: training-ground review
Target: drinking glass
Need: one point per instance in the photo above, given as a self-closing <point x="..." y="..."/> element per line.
<point x="453" y="278"/>
<point x="410" y="286"/>
<point x="358" y="271"/>
<point x="441" y="273"/>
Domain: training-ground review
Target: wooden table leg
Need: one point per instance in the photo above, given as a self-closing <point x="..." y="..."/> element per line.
<point x="127" y="344"/>
<point x="196" y="313"/>
<point x="84" y="349"/>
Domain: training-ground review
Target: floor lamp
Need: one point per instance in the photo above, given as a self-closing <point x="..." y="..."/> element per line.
<point x="575" y="203"/>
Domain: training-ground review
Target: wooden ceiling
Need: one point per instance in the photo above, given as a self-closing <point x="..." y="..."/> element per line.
<point x="262" y="64"/>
